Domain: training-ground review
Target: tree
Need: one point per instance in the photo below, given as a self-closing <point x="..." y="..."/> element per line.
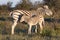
<point x="9" y="4"/>
<point x="24" y="5"/>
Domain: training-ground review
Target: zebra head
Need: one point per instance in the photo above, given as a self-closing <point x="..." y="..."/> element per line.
<point x="22" y="19"/>
<point x="45" y="10"/>
<point x="48" y="11"/>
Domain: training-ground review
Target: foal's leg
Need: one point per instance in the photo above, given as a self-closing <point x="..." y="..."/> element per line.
<point x="29" y="30"/>
<point x="43" y="22"/>
<point x="41" y="27"/>
<point x="36" y="29"/>
<point x="13" y="26"/>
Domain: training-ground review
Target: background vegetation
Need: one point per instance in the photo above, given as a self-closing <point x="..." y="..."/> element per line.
<point x="51" y="30"/>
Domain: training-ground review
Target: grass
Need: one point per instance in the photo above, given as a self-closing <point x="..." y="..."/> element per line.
<point x="21" y="32"/>
<point x="49" y="33"/>
<point x="27" y="37"/>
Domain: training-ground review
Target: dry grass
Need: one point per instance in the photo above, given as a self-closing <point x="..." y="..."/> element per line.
<point x="52" y="28"/>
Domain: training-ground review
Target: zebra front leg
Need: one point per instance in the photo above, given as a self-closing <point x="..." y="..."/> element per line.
<point x="36" y="29"/>
<point x="29" y="30"/>
<point x="41" y="27"/>
<point x="43" y="23"/>
<point x="13" y="27"/>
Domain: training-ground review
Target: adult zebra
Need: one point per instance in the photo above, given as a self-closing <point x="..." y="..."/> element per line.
<point x="37" y="18"/>
<point x="17" y="13"/>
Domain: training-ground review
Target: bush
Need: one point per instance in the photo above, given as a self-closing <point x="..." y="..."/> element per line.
<point x="46" y="32"/>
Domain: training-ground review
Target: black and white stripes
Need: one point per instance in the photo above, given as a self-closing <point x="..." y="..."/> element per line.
<point x="17" y="13"/>
<point x="40" y="12"/>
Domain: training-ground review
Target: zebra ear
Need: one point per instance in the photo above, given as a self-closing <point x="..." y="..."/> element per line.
<point x="40" y="8"/>
<point x="45" y="6"/>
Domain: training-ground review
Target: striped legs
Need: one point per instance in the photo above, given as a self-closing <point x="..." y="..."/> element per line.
<point x="13" y="26"/>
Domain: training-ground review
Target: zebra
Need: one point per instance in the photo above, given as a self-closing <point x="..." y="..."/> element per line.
<point x="33" y="21"/>
<point x="16" y="13"/>
<point x="37" y="19"/>
<point x="45" y="11"/>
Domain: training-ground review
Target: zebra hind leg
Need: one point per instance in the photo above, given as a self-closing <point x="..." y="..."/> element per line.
<point x="13" y="27"/>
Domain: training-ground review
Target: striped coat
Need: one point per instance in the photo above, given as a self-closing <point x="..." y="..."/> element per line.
<point x="40" y="12"/>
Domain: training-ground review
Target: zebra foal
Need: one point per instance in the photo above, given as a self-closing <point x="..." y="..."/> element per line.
<point x="33" y="21"/>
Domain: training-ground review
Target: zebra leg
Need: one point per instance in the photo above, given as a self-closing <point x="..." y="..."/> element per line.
<point x="29" y="30"/>
<point x="43" y="22"/>
<point x="41" y="27"/>
<point x="36" y="29"/>
<point x="13" y="26"/>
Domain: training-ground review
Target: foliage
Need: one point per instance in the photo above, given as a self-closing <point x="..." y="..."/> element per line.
<point x="23" y="5"/>
<point x="46" y="32"/>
